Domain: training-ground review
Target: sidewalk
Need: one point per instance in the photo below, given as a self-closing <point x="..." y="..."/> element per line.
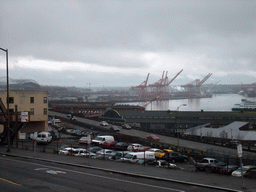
<point x="204" y="178"/>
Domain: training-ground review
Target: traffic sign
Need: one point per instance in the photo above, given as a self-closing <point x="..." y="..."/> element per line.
<point x="239" y="150"/>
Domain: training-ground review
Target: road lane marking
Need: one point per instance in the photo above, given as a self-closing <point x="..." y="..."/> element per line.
<point x="93" y="175"/>
<point x="10" y="182"/>
<point x="50" y="171"/>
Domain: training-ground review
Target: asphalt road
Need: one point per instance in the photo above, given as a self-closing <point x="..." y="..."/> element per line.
<point x="34" y="175"/>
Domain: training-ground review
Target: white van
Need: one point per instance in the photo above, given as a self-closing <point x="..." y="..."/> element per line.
<point x="44" y="137"/>
<point x="99" y="140"/>
<point x="134" y="157"/>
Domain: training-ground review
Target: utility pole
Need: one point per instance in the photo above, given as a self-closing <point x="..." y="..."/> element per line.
<point x="8" y="115"/>
<point x="178" y="125"/>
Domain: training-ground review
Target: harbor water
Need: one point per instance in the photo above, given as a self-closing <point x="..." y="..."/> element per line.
<point x="218" y="102"/>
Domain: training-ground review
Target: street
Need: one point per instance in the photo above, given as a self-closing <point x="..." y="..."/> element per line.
<point x="34" y="175"/>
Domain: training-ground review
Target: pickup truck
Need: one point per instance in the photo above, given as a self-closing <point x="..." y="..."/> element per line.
<point x="160" y="155"/>
<point x="209" y="164"/>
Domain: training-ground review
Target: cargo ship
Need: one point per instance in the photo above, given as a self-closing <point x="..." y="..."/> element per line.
<point x="245" y="105"/>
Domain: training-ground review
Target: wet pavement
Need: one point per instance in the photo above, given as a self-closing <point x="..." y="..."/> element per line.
<point x="185" y="171"/>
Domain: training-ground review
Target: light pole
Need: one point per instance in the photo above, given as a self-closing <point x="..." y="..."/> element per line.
<point x="178" y="125"/>
<point x="8" y="117"/>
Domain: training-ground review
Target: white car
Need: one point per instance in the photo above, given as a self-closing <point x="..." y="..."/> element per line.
<point x="84" y="140"/>
<point x="71" y="151"/>
<point x="238" y="172"/>
<point x="103" y="123"/>
<point x="83" y="153"/>
<point x="44" y="137"/>
<point x="155" y="150"/>
<point x="65" y="151"/>
<point x="134" y="146"/>
<point x="104" y="152"/>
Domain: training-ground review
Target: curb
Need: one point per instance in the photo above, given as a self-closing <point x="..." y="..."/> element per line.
<point x="124" y="173"/>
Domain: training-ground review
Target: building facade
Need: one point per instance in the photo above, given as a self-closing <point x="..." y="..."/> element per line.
<point x="34" y="102"/>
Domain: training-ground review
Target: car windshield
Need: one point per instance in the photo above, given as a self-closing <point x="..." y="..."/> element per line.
<point x="98" y="138"/>
<point x="128" y="156"/>
<point x="244" y="169"/>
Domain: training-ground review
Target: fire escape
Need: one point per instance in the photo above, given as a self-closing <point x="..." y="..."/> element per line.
<point x="15" y="124"/>
<point x="193" y="88"/>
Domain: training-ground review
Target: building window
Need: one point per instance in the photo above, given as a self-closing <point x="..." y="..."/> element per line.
<point x="45" y="99"/>
<point x="11" y="99"/>
<point x="31" y="111"/>
<point x="32" y="100"/>
<point x="45" y="111"/>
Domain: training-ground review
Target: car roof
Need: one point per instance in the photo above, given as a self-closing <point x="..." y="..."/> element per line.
<point x="155" y="149"/>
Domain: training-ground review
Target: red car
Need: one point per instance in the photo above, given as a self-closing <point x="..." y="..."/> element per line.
<point x="153" y="137"/>
<point x="142" y="149"/>
<point x="126" y="126"/>
<point x="109" y="144"/>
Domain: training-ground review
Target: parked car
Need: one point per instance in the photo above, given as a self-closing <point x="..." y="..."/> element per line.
<point x="94" y="149"/>
<point x="208" y="163"/>
<point x="99" y="140"/>
<point x="251" y="173"/>
<point x="76" y="133"/>
<point x="153" y="137"/>
<point x="114" y="128"/>
<point x="121" y="146"/>
<point x="155" y="150"/>
<point x="238" y="172"/>
<point x="228" y="169"/>
<point x="78" y="152"/>
<point x="69" y="130"/>
<point x="63" y="147"/>
<point x="134" y="146"/>
<point x="104" y="152"/>
<point x="142" y="149"/>
<point x="84" y="140"/>
<point x="175" y="157"/>
<point x="44" y="137"/>
<point x="119" y="155"/>
<point x="109" y="144"/>
<point x="135" y="156"/>
<point x="126" y="126"/>
<point x="103" y="123"/>
<point x="69" y="150"/>
<point x="161" y="154"/>
<point x="83" y="153"/>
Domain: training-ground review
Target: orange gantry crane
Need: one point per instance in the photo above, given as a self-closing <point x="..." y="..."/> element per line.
<point x="193" y="88"/>
<point x="161" y="87"/>
<point x="156" y="88"/>
<point x="142" y="89"/>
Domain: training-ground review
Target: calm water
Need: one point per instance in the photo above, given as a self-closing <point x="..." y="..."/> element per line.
<point x="217" y="103"/>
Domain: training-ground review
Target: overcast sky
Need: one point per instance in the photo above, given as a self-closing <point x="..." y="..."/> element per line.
<point x="117" y="43"/>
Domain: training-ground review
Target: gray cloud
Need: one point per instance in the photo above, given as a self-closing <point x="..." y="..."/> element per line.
<point x="209" y="36"/>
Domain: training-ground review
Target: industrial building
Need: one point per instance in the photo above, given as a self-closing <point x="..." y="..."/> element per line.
<point x="35" y="103"/>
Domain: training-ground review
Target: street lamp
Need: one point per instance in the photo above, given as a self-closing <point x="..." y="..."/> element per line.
<point x="178" y="125"/>
<point x="8" y="117"/>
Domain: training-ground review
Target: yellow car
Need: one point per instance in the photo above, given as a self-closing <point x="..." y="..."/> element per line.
<point x="161" y="154"/>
